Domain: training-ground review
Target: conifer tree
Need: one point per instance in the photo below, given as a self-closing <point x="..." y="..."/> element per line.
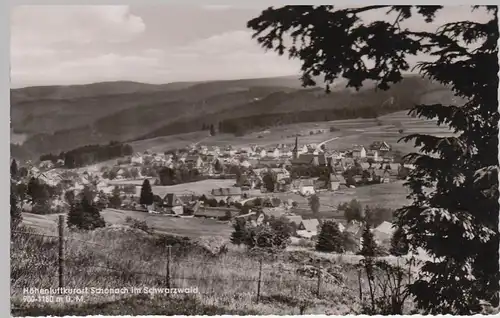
<point x="457" y="225"/>
<point x="399" y="244"/>
<point x="146" y="193"/>
<point x="13" y="169"/>
<point x="15" y="214"/>
<point x="330" y="238"/>
<point x="369" y="246"/>
<point x="115" y="200"/>
<point x="239" y="233"/>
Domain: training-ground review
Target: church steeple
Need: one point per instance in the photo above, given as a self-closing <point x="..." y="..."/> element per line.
<point x="296" y="148"/>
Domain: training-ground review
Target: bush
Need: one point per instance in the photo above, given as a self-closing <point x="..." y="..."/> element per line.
<point x="275" y="233"/>
<point x="306" y="243"/>
<point x="138" y="224"/>
<point x="85" y="215"/>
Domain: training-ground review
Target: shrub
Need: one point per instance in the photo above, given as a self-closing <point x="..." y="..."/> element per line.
<point x="85" y="214"/>
<point x="138" y="224"/>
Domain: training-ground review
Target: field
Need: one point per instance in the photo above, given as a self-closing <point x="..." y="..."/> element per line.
<point x="190" y="227"/>
<point x="198" y="187"/>
<point x="352" y="131"/>
<point x="387" y="195"/>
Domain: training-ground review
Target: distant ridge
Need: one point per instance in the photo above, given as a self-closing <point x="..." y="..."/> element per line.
<point x="59" y="118"/>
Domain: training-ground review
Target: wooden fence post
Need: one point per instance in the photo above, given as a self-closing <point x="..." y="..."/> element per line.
<point x="61" y="250"/>
<point x="259" y="281"/>
<point x="360" y="287"/>
<point x="169" y="256"/>
<point x="319" y="281"/>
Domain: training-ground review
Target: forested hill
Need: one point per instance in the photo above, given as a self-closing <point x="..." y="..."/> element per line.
<point x="59" y="118"/>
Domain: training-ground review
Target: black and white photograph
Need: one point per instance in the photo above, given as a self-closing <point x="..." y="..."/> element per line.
<point x="254" y="159"/>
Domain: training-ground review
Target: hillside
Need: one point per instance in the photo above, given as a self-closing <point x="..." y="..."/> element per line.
<point x="59" y="118"/>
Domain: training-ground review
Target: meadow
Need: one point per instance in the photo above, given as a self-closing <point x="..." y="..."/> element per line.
<point x="198" y="187"/>
<point x="386" y="195"/>
<point x="188" y="227"/>
<point x="360" y="131"/>
<point x="227" y="282"/>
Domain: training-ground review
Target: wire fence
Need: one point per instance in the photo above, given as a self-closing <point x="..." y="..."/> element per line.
<point x="266" y="273"/>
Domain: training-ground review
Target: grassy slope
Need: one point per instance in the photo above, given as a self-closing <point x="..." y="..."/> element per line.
<point x="226" y="283"/>
<point x="190" y="227"/>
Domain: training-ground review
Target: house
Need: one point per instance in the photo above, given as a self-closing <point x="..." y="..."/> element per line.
<point x="358" y="152"/>
<point x="46" y="164"/>
<point x="273" y="153"/>
<point x="269" y="162"/>
<point x="276" y="212"/>
<point x="383" y="232"/>
<point x="386" y="177"/>
<point x="380" y="146"/>
<point x="248" y="151"/>
<point x="173" y="204"/>
<point x="335" y="181"/>
<point x="309" y="225"/>
<point x="281" y="173"/>
<point x="302" y="149"/>
<point x="372" y="154"/>
<point x="203" y="150"/>
<point x="341" y="227"/>
<point x="305" y="186"/>
<point x="245" y="164"/>
<point x="229" y="151"/>
<point x="193" y="161"/>
<point x="310" y="160"/>
<point x="226" y="193"/>
<point x="137" y="159"/>
<point x="261" y="153"/>
<point x="214" y="151"/>
<point x="335" y="155"/>
<point x="308" y="228"/>
<point x="296" y="219"/>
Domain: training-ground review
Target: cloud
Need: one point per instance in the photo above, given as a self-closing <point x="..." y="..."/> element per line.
<point x="82" y="44"/>
<point x="216" y="7"/>
<point x="234" y="54"/>
<point x="46" y="25"/>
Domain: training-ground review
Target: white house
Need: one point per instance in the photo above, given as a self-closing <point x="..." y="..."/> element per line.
<point x="273" y="153"/>
<point x="373" y="154"/>
<point x="137" y="159"/>
<point x="46" y="164"/>
<point x="307" y="187"/>
<point x="383" y="232"/>
<point x="248" y="151"/>
<point x="359" y="152"/>
<point x="229" y="152"/>
<point x="193" y="161"/>
<point x="203" y="150"/>
<point x="380" y="146"/>
<point x="308" y="228"/>
<point x="245" y="164"/>
<point x="213" y="151"/>
<point x="262" y="153"/>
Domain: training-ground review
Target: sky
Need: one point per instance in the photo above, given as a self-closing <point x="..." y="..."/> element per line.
<point x="65" y="45"/>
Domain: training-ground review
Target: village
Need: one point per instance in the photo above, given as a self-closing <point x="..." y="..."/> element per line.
<point x="253" y="183"/>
